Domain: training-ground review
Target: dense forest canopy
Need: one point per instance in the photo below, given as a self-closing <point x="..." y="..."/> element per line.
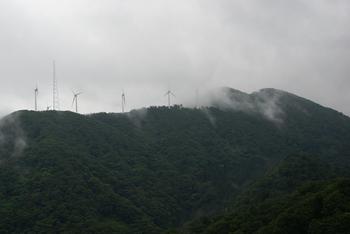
<point x="267" y="162"/>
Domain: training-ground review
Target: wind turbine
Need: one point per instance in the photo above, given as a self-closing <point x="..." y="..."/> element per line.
<point x="197" y="98"/>
<point x="123" y="101"/>
<point x="36" y="92"/>
<point x="75" y="100"/>
<point x="169" y="94"/>
<point x="55" y="95"/>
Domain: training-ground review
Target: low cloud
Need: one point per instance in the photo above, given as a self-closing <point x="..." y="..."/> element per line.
<point x="12" y="138"/>
<point x="265" y="102"/>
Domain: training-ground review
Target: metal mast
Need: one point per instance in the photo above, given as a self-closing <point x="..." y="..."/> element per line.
<point x="55" y="94"/>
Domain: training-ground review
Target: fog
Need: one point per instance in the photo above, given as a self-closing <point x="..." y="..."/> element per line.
<point x="11" y="137"/>
<point x="148" y="47"/>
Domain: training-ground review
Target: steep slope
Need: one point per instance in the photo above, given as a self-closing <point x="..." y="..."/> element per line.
<point x="301" y="195"/>
<point x="157" y="168"/>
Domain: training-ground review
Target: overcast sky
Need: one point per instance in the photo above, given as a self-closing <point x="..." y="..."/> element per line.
<point x="148" y="47"/>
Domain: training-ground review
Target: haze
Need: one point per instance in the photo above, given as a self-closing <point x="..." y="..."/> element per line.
<point x="147" y="47"/>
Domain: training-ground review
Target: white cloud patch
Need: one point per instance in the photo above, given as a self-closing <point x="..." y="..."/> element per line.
<point x="12" y="137"/>
<point x="265" y="102"/>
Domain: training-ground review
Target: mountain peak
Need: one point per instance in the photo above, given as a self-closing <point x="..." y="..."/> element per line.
<point x="157" y="169"/>
<point x="264" y="101"/>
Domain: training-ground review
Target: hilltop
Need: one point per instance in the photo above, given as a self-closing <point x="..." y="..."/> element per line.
<point x="191" y="170"/>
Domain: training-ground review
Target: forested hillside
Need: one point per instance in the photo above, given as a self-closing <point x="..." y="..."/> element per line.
<point x="268" y="162"/>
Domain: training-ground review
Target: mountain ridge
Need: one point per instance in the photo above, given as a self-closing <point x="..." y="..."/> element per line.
<point x="160" y="169"/>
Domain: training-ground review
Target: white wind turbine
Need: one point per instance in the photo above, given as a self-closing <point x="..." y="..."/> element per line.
<point x="75" y="100"/>
<point x="36" y="92"/>
<point x="123" y="102"/>
<point x="169" y="94"/>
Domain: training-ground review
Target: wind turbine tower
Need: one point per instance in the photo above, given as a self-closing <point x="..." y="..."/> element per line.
<point x="75" y="100"/>
<point x="197" y="98"/>
<point x="123" y="101"/>
<point x="36" y="91"/>
<point x="55" y="96"/>
<point x="169" y="94"/>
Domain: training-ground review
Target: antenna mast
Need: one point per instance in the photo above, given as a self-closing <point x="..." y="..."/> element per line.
<point x="55" y="95"/>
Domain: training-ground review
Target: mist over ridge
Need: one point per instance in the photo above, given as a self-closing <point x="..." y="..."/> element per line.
<point x="175" y="116"/>
<point x="147" y="48"/>
<point x="175" y="168"/>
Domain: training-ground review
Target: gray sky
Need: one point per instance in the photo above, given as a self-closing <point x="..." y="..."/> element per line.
<point x="147" y="47"/>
